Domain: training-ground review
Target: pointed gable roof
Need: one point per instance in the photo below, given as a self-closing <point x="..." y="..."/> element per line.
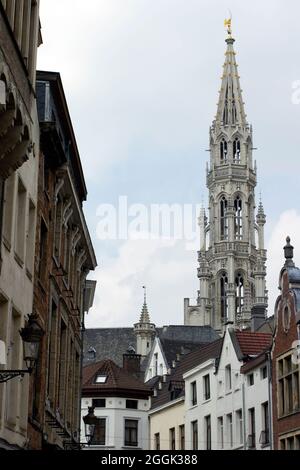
<point x="248" y="344"/>
<point x="118" y="381"/>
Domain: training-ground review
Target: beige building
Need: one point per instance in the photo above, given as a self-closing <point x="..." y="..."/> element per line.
<point x="167" y="426"/>
<point x="19" y="160"/>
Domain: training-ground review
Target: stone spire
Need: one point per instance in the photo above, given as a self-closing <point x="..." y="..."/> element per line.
<point x="145" y="317"/>
<point x="144" y="330"/>
<point x="231" y="110"/>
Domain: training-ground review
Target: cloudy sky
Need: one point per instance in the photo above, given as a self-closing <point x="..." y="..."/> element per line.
<point x="142" y="78"/>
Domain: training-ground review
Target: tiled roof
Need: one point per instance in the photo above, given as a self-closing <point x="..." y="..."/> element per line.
<point x="118" y="380"/>
<point x="188" y="362"/>
<point x="252" y="343"/>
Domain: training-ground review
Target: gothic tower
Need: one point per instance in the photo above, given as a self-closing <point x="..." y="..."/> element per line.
<point x="232" y="255"/>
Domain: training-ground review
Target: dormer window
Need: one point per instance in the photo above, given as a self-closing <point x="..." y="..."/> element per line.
<point x="100" y="379"/>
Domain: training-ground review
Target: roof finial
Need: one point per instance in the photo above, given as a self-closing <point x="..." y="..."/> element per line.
<point x="145" y="295"/>
<point x="289" y="253"/>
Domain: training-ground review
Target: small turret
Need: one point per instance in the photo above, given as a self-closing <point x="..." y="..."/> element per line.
<point x="144" y="330"/>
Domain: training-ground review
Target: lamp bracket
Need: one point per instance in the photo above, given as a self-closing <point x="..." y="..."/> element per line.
<point x="6" y="375"/>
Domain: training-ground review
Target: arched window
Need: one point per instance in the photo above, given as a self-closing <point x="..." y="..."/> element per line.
<point x="238" y="219"/>
<point x="223" y="151"/>
<point x="224" y="219"/>
<point x="236" y="150"/>
<point x="239" y="297"/>
<point x="224" y="299"/>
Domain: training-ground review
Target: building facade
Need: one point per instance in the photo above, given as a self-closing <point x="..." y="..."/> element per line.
<point x="286" y="357"/>
<point x="120" y="401"/>
<point x="19" y="162"/>
<point x="64" y="256"/>
<point x="232" y="255"/>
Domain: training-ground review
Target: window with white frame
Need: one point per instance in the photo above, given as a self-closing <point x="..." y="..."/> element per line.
<point x="228" y="384"/>
<point x="229" y="430"/>
<point x="239" y="427"/>
<point x="220" y="433"/>
<point x="206" y="387"/>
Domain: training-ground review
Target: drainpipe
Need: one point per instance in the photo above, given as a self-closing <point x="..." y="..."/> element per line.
<point x="269" y="369"/>
<point x="244" y="414"/>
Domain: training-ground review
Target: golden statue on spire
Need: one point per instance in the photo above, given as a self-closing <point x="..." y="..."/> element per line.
<point x="227" y="24"/>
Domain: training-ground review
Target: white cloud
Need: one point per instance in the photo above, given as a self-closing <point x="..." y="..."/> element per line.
<point x="165" y="267"/>
<point x="287" y="225"/>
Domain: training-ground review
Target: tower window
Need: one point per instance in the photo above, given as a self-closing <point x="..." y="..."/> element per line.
<point x="238" y="207"/>
<point x="237" y="151"/>
<point x="223" y="151"/>
<point x="224" y="219"/>
<point x="239" y="285"/>
<point x="224" y="299"/>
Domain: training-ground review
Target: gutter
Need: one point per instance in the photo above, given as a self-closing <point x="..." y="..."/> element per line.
<point x="269" y="369"/>
<point x="244" y="414"/>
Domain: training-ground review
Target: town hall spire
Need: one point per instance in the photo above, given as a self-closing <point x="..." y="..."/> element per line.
<point x="232" y="255"/>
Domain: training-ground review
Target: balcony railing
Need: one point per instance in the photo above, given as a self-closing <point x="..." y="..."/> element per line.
<point x="251" y="441"/>
<point x="264" y="438"/>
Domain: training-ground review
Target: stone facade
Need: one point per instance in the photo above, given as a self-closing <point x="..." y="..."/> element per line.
<point x="232" y="254"/>
<point x="19" y="160"/>
<point x="64" y="257"/>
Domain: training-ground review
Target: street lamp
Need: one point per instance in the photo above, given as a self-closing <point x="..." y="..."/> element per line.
<point x="31" y="335"/>
<point x="90" y="422"/>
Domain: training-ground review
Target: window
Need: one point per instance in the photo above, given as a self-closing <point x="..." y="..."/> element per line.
<point x="99" y="403"/>
<point x="157" y="441"/>
<point x="156" y="364"/>
<point x="58" y="226"/>
<point x="132" y="404"/>
<point x="195" y="435"/>
<point x="288" y="386"/>
<point x="182" y="437"/>
<point x="229" y="429"/>
<point x="236" y="150"/>
<point x="238" y="219"/>
<point x="131" y="432"/>
<point x="220" y="433"/>
<point x="100" y="432"/>
<point x="194" y="393"/>
<point x="228" y="384"/>
<point x="207" y="421"/>
<point x="30" y="238"/>
<point x="265" y="434"/>
<point x="43" y="251"/>
<point x="250" y="380"/>
<point x="100" y="379"/>
<point x="263" y="373"/>
<point x="20" y="222"/>
<point x="239" y="295"/>
<point x="8" y="208"/>
<point x="239" y="427"/>
<point x="251" y="435"/>
<point x="223" y="151"/>
<point x="224" y="299"/>
<point x="172" y="439"/>
<point x="206" y="387"/>
<point x="224" y="219"/>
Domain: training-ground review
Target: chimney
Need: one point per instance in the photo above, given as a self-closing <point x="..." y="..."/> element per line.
<point x="155" y="392"/>
<point x="132" y="363"/>
<point x="173" y="364"/>
<point x="164" y="378"/>
<point x="178" y="357"/>
<point x="159" y="386"/>
<point x="258" y="317"/>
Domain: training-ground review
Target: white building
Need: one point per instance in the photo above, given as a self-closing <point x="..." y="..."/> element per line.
<point x="121" y="403"/>
<point x="226" y="407"/>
